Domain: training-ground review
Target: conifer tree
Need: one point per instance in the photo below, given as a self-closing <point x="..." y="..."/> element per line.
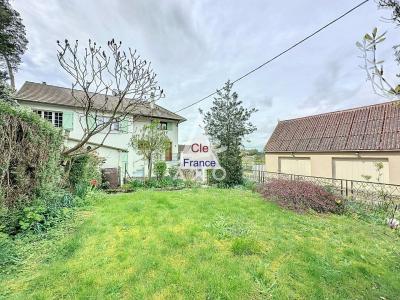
<point x="227" y="123"/>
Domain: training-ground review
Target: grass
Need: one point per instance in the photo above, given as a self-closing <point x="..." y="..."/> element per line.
<point x="207" y="244"/>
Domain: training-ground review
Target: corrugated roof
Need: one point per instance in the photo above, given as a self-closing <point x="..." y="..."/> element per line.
<point x="45" y="93"/>
<point x="370" y="128"/>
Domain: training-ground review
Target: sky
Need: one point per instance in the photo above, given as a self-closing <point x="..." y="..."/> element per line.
<point x="196" y="46"/>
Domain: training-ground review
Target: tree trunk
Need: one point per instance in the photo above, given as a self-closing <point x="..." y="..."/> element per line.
<point x="10" y="72"/>
<point x="150" y="166"/>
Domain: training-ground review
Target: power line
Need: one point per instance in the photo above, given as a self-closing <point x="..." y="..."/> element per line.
<point x="280" y="54"/>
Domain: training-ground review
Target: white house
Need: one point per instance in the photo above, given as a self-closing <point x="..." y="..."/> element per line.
<point x="57" y="105"/>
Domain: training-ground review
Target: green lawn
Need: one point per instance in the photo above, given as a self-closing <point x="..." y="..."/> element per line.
<point x="209" y="244"/>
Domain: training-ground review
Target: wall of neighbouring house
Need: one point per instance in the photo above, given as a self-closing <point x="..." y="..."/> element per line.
<point x="115" y="158"/>
<point x="345" y="165"/>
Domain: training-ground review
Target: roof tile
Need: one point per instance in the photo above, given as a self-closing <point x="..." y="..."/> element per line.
<point x="375" y="127"/>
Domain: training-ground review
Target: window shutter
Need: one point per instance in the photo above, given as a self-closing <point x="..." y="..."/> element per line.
<point x="124" y="126"/>
<point x="91" y="121"/>
<point x="68" y="120"/>
<point x="169" y="126"/>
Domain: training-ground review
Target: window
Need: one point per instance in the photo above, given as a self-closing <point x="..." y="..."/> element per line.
<point x="58" y="119"/>
<point x="114" y="125"/>
<point x="163" y="126"/>
<point x="48" y="115"/>
<point x="55" y="118"/>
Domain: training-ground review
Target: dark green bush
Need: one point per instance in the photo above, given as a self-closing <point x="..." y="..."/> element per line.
<point x="160" y="168"/>
<point x="83" y="171"/>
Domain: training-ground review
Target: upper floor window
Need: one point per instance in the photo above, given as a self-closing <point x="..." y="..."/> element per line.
<point x="54" y="117"/>
<point x="163" y="126"/>
<point x="114" y="125"/>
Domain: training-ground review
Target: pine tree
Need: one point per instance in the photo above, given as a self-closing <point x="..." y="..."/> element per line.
<point x="227" y="123"/>
<point x="13" y="40"/>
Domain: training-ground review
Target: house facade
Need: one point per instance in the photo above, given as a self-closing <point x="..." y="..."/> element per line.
<point x="356" y="144"/>
<point x="57" y="105"/>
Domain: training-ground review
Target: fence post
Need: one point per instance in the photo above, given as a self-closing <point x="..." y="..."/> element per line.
<point x="341" y="187"/>
<point x="347" y="188"/>
<point x="351" y="188"/>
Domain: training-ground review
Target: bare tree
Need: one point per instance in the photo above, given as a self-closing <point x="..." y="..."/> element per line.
<point x="109" y="86"/>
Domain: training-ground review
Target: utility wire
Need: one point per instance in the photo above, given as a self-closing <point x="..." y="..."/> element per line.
<point x="280" y="54"/>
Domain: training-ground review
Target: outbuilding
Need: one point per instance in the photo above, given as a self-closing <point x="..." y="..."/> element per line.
<point x="357" y="144"/>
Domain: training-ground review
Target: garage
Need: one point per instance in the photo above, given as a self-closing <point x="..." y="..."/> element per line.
<point x="295" y="165"/>
<point x="361" y="169"/>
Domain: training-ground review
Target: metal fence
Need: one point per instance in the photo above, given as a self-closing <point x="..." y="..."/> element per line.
<point x="365" y="191"/>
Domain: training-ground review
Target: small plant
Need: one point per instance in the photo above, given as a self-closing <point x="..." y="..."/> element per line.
<point x="301" y="196"/>
<point x="172" y="171"/>
<point x="160" y="168"/>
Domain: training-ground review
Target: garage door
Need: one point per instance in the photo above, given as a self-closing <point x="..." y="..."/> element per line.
<point x="360" y="168"/>
<point x="295" y="165"/>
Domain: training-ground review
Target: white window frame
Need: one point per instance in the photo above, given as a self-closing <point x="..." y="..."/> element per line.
<point x="52" y="120"/>
<point x="115" y="126"/>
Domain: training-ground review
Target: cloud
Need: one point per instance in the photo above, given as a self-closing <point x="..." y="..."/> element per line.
<point x="330" y="88"/>
<point x="195" y="46"/>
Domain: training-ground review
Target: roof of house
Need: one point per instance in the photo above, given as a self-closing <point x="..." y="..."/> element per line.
<point x="45" y="93"/>
<point x="369" y="128"/>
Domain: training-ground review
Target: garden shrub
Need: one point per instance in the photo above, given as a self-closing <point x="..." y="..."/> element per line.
<point x="301" y="196"/>
<point x="160" y="168"/>
<point x="30" y="155"/>
<point x="84" y="171"/>
<point x="172" y="171"/>
<point x="30" y="172"/>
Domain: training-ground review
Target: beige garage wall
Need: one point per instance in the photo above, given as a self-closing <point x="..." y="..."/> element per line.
<point x="322" y="163"/>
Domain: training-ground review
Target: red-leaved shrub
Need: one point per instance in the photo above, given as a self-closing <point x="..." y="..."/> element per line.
<point x="301" y="196"/>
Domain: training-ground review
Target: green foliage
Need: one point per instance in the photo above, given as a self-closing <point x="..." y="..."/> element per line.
<point x="13" y="40"/>
<point x="173" y="171"/>
<point x="84" y="170"/>
<point x="160" y="168"/>
<point x="8" y="255"/>
<point x="5" y="90"/>
<point x="167" y="182"/>
<point x="29" y="164"/>
<point x="377" y="213"/>
<point x="227" y="123"/>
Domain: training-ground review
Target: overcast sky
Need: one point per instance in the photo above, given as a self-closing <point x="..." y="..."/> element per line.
<point x="195" y="46"/>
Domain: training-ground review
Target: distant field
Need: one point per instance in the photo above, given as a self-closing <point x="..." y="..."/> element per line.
<point x="208" y="244"/>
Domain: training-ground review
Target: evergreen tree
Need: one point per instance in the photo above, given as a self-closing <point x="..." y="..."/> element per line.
<point x="5" y="89"/>
<point x="13" y="40"/>
<point x="227" y="123"/>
